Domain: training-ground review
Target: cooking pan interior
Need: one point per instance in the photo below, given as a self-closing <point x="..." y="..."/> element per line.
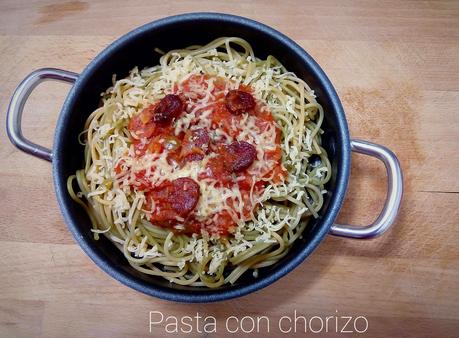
<point x="137" y="49"/>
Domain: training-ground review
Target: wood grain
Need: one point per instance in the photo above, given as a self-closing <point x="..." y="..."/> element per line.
<point x="395" y="66"/>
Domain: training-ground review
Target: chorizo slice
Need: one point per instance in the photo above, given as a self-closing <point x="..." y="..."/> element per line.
<point x="168" y="108"/>
<point x="184" y="196"/>
<point x="243" y="155"/>
<point x="176" y="198"/>
<point x="238" y="102"/>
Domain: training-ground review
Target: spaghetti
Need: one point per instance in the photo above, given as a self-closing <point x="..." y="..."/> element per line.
<point x="204" y="166"/>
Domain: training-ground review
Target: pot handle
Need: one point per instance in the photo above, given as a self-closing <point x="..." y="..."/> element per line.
<point x="393" y="199"/>
<point x="16" y="107"/>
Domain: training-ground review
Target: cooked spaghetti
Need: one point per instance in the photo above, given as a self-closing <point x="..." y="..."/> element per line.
<point x="204" y="166"/>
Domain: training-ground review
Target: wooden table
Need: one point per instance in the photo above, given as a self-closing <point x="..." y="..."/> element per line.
<point x="395" y="66"/>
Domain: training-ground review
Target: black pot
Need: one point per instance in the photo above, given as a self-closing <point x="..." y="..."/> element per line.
<point x="136" y="49"/>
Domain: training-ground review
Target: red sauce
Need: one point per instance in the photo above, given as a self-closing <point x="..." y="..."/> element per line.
<point x="228" y="161"/>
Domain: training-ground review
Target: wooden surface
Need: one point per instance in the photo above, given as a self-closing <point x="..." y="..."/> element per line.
<point x="395" y="65"/>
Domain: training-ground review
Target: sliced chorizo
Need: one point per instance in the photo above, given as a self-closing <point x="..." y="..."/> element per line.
<point x="176" y="198"/>
<point x="184" y="196"/>
<point x="243" y="154"/>
<point x="238" y="102"/>
<point x="168" y="108"/>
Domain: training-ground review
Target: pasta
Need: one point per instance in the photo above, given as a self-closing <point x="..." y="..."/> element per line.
<point x="155" y="145"/>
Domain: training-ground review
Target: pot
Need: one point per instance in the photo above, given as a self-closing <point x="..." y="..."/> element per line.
<point x="137" y="49"/>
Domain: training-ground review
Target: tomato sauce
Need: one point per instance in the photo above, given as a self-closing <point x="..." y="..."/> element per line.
<point x="227" y="161"/>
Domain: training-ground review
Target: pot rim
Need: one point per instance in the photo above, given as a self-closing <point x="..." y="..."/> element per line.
<point x="343" y="142"/>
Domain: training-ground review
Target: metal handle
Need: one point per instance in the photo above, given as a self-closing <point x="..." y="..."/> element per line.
<point x="16" y="107"/>
<point x="393" y="199"/>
